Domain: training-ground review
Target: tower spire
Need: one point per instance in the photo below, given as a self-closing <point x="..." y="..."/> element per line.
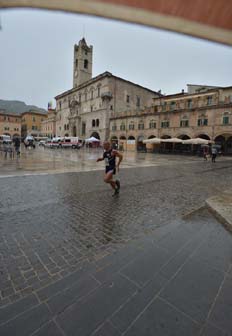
<point x="82" y="63"/>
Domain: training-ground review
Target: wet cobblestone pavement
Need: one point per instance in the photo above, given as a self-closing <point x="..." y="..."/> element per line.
<point x="57" y="229"/>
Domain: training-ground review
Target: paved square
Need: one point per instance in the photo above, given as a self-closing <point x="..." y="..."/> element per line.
<point x="65" y="243"/>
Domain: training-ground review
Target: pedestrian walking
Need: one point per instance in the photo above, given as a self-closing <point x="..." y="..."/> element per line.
<point x="110" y="156"/>
<point x="214" y="154"/>
<point x="205" y="153"/>
<point x="8" y="148"/>
<point x="17" y="146"/>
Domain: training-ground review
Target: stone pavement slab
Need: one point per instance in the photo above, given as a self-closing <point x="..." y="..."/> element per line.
<point x="194" y="298"/>
<point x="221" y="206"/>
<point x="67" y="249"/>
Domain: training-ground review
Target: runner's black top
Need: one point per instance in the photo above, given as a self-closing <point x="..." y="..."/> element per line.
<point x="110" y="159"/>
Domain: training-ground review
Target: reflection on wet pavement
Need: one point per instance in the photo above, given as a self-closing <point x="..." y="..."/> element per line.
<point x="46" y="160"/>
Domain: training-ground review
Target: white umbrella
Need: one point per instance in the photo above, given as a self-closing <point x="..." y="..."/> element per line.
<point x="174" y="140"/>
<point x="92" y="139"/>
<point x="152" y="141"/>
<point x="196" y="141"/>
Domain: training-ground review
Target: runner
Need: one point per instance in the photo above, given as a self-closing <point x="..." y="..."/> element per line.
<point x="109" y="156"/>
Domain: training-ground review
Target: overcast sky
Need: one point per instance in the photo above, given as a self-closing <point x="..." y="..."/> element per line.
<point x="36" y="55"/>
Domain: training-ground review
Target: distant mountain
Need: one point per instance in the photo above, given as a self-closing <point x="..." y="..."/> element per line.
<point x="18" y="107"/>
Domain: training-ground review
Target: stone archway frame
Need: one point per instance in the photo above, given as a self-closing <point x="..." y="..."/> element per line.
<point x="95" y="135"/>
<point x="183" y="136"/>
<point x="225" y="135"/>
<point x="203" y="136"/>
<point x="140" y="138"/>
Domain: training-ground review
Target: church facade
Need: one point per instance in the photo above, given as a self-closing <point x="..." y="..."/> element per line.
<point x="86" y="109"/>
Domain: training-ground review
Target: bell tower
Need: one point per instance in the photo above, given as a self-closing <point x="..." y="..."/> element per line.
<point x="82" y="63"/>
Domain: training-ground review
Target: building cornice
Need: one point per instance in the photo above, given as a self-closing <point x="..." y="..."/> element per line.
<point x="186" y="110"/>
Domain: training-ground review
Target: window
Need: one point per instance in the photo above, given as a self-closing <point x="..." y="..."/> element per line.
<point x="86" y="52"/>
<point x="209" y="100"/>
<point x="85" y="96"/>
<point x="225" y="120"/>
<point x="164" y="106"/>
<point x="172" y="105"/>
<point x="60" y="105"/>
<point x="91" y="108"/>
<point x="67" y="126"/>
<point x="164" y="124"/>
<point x="141" y="126"/>
<point x="184" y="123"/>
<point x="131" y="126"/>
<point x="152" y="124"/>
<point x="137" y="101"/>
<point x="114" y="128"/>
<point x="93" y="123"/>
<point x="79" y="97"/>
<point x="97" y="122"/>
<point x="202" y="122"/>
<point x="41" y="119"/>
<point x="5" y="118"/>
<point x="190" y="103"/>
<point x="127" y="99"/>
<point x="91" y="94"/>
<point x="76" y="63"/>
<point x="111" y="107"/>
<point x="86" y="64"/>
<point x="98" y="91"/>
<point x="122" y="127"/>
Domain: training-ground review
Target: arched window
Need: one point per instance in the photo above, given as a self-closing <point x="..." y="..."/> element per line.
<point x="65" y="127"/>
<point x="93" y="123"/>
<point x="97" y="122"/>
<point x="76" y="63"/>
<point x="86" y="64"/>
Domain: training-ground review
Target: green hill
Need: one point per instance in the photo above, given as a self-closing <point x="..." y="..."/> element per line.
<point x="18" y="107"/>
